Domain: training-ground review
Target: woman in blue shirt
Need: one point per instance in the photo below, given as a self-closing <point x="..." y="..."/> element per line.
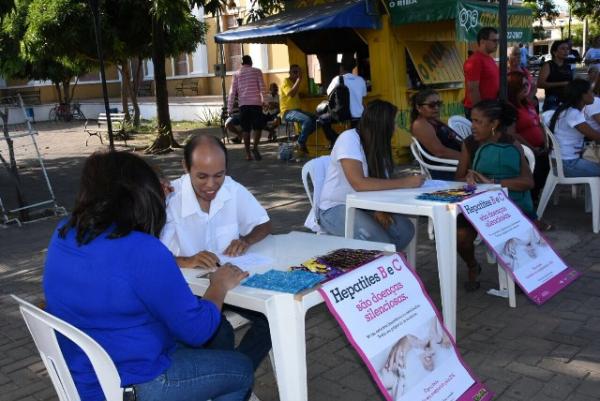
<point x="108" y="275"/>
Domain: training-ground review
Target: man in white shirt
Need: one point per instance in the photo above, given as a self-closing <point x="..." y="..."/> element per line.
<point x="209" y="214"/>
<point x="358" y="90"/>
<point x="592" y="56"/>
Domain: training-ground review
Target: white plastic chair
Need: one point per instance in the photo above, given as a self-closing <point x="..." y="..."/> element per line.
<point x="314" y="169"/>
<point x="43" y="327"/>
<point x="460" y="125"/>
<point x="421" y="155"/>
<point x="556" y="176"/>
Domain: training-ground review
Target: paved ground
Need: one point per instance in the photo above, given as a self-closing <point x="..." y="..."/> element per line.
<point x="550" y="352"/>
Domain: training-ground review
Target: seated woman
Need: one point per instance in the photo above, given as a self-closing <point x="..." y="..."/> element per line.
<point x="592" y="111"/>
<point x="108" y="274"/>
<point x="490" y="155"/>
<point x="361" y="160"/>
<point x="436" y="137"/>
<point x="569" y="125"/>
<point x="528" y="129"/>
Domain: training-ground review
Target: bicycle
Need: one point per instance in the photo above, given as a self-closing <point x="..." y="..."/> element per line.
<point x="66" y="112"/>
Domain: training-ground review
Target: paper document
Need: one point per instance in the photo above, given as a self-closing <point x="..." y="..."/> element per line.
<point x="438" y="184"/>
<point x="249" y="262"/>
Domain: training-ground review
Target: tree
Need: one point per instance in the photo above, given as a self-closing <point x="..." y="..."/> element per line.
<point x="542" y="10"/>
<point x="577" y="32"/>
<point x="586" y="8"/>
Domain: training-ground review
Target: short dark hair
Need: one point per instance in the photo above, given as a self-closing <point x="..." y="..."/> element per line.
<point x="348" y="63"/>
<point x="246" y="60"/>
<point x="485" y="32"/>
<point x="118" y="191"/>
<point x="196" y="141"/>
<point x="555" y="46"/>
<point x="498" y="110"/>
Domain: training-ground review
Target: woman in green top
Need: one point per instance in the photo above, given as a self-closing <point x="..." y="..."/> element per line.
<point x="488" y="156"/>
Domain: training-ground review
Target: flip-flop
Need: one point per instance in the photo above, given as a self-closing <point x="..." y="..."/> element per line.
<point x="543" y="226"/>
<point x="256" y="154"/>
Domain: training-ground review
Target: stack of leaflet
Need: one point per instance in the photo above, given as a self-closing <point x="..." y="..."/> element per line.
<point x="291" y="282"/>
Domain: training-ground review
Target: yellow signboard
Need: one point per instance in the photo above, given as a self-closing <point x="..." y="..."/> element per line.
<point x="436" y="62"/>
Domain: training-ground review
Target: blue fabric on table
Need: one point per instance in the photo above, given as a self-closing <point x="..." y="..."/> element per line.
<point x="291" y="281"/>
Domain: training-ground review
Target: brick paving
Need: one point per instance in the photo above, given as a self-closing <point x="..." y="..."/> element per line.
<point x="532" y="353"/>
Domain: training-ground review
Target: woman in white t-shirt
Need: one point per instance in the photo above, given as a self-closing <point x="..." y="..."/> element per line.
<point x="361" y="160"/>
<point x="569" y="125"/>
<point x="592" y="111"/>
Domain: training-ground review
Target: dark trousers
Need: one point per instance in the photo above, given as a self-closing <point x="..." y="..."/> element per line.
<point x="540" y="173"/>
<point x="255" y="344"/>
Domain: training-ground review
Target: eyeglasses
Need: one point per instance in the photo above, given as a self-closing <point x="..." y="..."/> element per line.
<point x="439" y="103"/>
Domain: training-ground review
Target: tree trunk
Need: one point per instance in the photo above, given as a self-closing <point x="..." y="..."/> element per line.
<point x="133" y="89"/>
<point x="66" y="93"/>
<point x="58" y="92"/>
<point x="164" y="141"/>
<point x="125" y="89"/>
<point x="11" y="168"/>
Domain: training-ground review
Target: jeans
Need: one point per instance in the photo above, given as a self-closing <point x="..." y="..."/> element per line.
<point x="200" y="374"/>
<point x="255" y="344"/>
<point x="581" y="168"/>
<point x="366" y="227"/>
<point x="307" y="120"/>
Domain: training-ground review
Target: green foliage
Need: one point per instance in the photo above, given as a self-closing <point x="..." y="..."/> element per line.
<point x="542" y="9"/>
<point x="577" y="32"/>
<point x="586" y="8"/>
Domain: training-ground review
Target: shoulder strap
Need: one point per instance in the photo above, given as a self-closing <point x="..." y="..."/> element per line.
<point x="341" y="83"/>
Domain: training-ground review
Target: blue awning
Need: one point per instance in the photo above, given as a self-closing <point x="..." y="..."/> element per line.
<point x="275" y="28"/>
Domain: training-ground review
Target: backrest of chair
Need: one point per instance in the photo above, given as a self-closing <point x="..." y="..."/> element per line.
<point x="530" y="156"/>
<point x="460" y="125"/>
<point x="43" y="327"/>
<point x="557" y="166"/>
<point x="446" y="164"/>
<point x="415" y="151"/>
<point x="316" y="170"/>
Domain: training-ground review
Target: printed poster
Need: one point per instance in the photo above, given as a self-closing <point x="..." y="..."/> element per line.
<point x="519" y="247"/>
<point x="393" y="325"/>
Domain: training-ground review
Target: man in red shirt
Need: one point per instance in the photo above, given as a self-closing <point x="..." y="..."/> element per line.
<point x="482" y="76"/>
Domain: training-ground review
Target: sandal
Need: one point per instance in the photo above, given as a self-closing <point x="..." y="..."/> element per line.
<point x="256" y="154"/>
<point x="543" y="226"/>
<point x="473" y="284"/>
<point x="249" y="157"/>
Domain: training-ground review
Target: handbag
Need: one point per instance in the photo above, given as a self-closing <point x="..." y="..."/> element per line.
<point x="592" y="152"/>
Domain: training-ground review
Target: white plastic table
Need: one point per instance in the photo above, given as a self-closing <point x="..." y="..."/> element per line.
<point x="286" y="312"/>
<point x="403" y="201"/>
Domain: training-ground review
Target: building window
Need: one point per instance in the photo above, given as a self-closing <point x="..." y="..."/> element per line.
<point x="233" y="51"/>
<point x="181" y="65"/>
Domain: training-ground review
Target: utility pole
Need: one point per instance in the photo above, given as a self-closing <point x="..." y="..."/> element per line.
<point x="97" y="29"/>
<point x="503" y="14"/>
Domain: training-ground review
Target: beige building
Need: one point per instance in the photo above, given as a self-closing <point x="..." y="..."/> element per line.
<point x="195" y="70"/>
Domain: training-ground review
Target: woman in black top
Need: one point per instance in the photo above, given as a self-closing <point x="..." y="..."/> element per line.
<point x="555" y="74"/>
<point x="435" y="136"/>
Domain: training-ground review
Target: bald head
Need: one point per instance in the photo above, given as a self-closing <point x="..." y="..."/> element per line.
<point x="202" y="147"/>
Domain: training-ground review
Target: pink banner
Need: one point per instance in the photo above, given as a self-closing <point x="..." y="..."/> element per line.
<point x="518" y="245"/>
<point x="390" y="320"/>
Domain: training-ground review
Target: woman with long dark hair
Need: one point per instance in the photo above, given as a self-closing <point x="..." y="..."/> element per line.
<point x="488" y="156"/>
<point x="528" y="129"/>
<point x="435" y="136"/>
<point x="108" y="274"/>
<point x="554" y="75"/>
<point x="361" y="160"/>
<point x="569" y="125"/>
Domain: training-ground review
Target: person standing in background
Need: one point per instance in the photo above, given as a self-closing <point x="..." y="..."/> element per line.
<point x="524" y="54"/>
<point x="482" y="76"/>
<point x="249" y="87"/>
